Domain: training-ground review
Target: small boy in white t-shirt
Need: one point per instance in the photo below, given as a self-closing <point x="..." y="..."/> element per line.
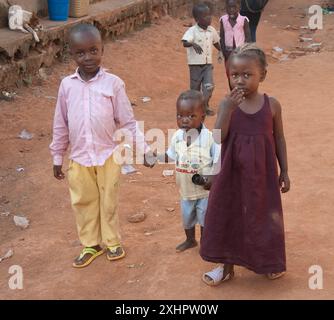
<point x="194" y="151"/>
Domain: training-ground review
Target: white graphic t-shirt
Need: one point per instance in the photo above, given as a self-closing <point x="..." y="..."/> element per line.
<point x="199" y="158"/>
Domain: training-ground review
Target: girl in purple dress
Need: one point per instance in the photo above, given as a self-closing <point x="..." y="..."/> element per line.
<point x="244" y="220"/>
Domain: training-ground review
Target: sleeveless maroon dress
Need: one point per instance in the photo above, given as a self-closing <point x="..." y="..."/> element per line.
<point x="244" y="220"/>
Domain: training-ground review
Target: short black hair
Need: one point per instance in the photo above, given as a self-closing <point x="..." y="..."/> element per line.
<point x="237" y="1"/>
<point x="199" y="8"/>
<point x="84" y="28"/>
<point x="193" y="95"/>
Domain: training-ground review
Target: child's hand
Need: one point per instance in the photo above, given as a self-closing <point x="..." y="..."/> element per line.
<point x="58" y="173"/>
<point x="235" y="98"/>
<point x="227" y="52"/>
<point x="197" y="48"/>
<point x="220" y="57"/>
<point x="150" y="159"/>
<point x="208" y="185"/>
<point x="284" y="182"/>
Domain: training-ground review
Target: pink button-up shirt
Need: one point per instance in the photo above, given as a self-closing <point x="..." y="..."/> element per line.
<point x="87" y="116"/>
<point x="237" y="32"/>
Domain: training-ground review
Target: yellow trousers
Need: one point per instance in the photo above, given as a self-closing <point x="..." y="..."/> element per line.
<point x="94" y="198"/>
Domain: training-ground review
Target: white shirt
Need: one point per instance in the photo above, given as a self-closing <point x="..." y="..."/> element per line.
<point x="205" y="39"/>
<point x="199" y="157"/>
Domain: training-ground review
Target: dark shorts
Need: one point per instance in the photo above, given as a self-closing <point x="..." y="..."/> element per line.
<point x="201" y="77"/>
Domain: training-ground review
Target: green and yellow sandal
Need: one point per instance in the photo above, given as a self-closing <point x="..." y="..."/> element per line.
<point x="90" y="251"/>
<point x="115" y="253"/>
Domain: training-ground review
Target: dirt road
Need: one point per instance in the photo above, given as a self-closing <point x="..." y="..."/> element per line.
<point x="152" y="62"/>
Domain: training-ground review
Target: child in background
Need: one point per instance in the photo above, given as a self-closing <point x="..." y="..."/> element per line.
<point x="244" y="221"/>
<point x="92" y="104"/>
<point x="199" y="40"/>
<point x="194" y="151"/>
<point x="234" y="29"/>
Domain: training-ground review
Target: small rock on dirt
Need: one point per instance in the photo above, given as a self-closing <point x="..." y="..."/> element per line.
<point x="5" y="214"/>
<point x="278" y="49"/>
<point x="24" y="150"/>
<point x="289" y="27"/>
<point x="43" y="74"/>
<point x="138" y="217"/>
<point x="21" y="222"/>
<point x="128" y="169"/>
<point x="25" y="135"/>
<point x="146" y="99"/>
<point x="132" y="281"/>
<point x="315" y="45"/>
<point x="298" y="53"/>
<point x="170" y="209"/>
<point x="303" y="39"/>
<point x="131" y="266"/>
<point x="8" y="254"/>
<point x="168" y="173"/>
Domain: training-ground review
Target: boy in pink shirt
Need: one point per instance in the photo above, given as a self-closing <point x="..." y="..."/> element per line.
<point x="92" y="104"/>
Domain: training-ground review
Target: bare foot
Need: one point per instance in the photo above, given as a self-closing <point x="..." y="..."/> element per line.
<point x="189" y="243"/>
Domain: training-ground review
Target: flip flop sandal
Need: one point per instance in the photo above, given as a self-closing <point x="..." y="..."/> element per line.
<point x="115" y="253"/>
<point x="216" y="276"/>
<point x="85" y="251"/>
<point x="273" y="276"/>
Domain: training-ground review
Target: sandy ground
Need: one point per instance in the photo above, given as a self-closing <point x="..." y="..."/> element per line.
<point x="153" y="63"/>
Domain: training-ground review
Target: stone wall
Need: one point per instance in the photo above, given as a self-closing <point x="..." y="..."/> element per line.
<point x="21" y="57"/>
